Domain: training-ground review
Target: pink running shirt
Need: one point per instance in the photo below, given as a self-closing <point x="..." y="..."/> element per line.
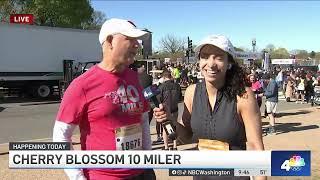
<point x="100" y="102"/>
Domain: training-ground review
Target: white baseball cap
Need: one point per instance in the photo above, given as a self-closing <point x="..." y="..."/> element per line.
<point x="219" y="41"/>
<point x="125" y="27"/>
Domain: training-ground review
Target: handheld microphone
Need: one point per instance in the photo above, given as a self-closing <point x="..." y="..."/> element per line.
<point x="151" y="93"/>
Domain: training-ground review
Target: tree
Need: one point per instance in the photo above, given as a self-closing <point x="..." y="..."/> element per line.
<point x="317" y="56"/>
<point x="270" y="48"/>
<point x="238" y="49"/>
<point x="171" y="44"/>
<point x="175" y="56"/>
<point x="8" y="7"/>
<point x="62" y="13"/>
<point x="97" y="19"/>
<point x="5" y="9"/>
<point x="302" y="54"/>
<point x="280" y="53"/>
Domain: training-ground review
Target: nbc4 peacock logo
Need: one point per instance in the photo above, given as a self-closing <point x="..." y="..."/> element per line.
<point x="291" y="163"/>
<point x="295" y="163"/>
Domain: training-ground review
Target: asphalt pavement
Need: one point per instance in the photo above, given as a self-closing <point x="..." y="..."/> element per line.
<point x="297" y="129"/>
<point x="26" y="120"/>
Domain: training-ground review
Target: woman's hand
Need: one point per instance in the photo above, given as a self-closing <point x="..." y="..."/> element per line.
<point x="160" y="114"/>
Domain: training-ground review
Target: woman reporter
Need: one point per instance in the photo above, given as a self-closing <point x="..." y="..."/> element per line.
<point x="221" y="107"/>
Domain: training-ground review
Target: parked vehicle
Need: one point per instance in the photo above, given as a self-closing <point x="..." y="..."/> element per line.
<point x="38" y="60"/>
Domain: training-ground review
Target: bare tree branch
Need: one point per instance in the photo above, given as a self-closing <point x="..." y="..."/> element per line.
<point x="171" y="44"/>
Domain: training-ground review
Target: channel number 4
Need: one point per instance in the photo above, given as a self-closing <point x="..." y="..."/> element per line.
<point x="285" y="165"/>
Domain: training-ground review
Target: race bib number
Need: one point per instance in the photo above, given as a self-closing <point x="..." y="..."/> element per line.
<point x="129" y="137"/>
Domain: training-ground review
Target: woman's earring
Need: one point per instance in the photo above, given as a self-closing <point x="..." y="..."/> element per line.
<point x="229" y="66"/>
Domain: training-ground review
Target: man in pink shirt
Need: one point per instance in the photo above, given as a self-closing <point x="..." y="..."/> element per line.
<point x="107" y="104"/>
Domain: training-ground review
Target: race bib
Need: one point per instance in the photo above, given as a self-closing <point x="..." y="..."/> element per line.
<point x="129" y="137"/>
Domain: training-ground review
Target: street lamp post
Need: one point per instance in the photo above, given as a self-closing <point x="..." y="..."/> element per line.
<point x="254" y="47"/>
<point x="254" y="44"/>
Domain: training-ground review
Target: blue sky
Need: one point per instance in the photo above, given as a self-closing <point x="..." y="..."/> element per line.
<point x="289" y="24"/>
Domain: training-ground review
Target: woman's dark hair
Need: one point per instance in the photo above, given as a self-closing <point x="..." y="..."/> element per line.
<point x="235" y="82"/>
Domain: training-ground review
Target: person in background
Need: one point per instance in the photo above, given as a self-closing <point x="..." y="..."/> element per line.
<point x="190" y="77"/>
<point x="279" y="78"/>
<point x="309" y="87"/>
<point x="194" y="74"/>
<point x="257" y="89"/>
<point x="290" y="87"/>
<point x="301" y="87"/>
<point x="199" y="76"/>
<point x="271" y="93"/>
<point x="184" y="76"/>
<point x="176" y="73"/>
<point x="285" y="82"/>
<point x="154" y="76"/>
<point x="170" y="96"/>
<point x="144" y="78"/>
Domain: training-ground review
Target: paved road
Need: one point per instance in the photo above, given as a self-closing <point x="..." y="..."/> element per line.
<point x="23" y="121"/>
<point x="299" y="131"/>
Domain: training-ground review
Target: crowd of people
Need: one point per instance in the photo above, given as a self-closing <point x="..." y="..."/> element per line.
<point x="295" y="84"/>
<point x="183" y="73"/>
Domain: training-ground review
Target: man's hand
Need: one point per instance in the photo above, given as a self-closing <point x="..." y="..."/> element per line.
<point x="159" y="113"/>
